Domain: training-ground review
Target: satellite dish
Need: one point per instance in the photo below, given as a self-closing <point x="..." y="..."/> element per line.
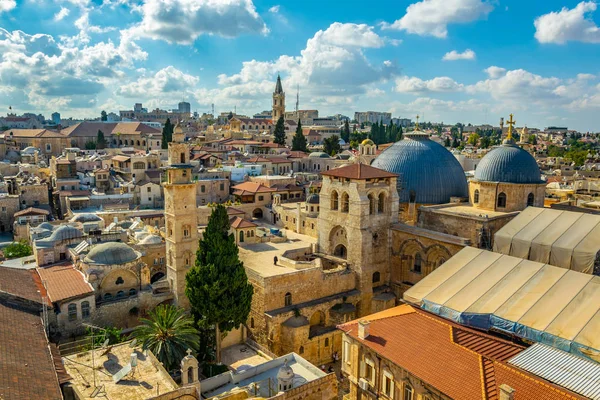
<point x="105" y="344"/>
<point x="133" y="343"/>
<point x="122" y="373"/>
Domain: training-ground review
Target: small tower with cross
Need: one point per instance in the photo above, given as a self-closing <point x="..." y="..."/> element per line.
<point x="511" y="122"/>
<point x="189" y="370"/>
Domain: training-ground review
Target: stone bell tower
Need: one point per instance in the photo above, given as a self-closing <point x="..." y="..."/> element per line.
<point x="278" y="101"/>
<point x="181" y="230"/>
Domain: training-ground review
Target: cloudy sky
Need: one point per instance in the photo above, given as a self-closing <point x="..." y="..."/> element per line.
<point x="449" y="60"/>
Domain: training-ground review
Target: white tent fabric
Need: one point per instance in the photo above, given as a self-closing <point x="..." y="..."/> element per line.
<point x="563" y="238"/>
<point x="539" y="302"/>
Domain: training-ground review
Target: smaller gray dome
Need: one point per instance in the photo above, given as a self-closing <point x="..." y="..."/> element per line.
<point x="13" y="156"/>
<point x="85" y="217"/>
<point x="46" y="225"/>
<point x="313" y="199"/>
<point x="29" y="150"/>
<point x="286" y="372"/>
<point x="64" y="232"/>
<point x="318" y="154"/>
<point x="111" y="253"/>
<point x="510" y="164"/>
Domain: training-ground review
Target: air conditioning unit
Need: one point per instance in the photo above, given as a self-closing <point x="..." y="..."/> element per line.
<point x="363" y="384"/>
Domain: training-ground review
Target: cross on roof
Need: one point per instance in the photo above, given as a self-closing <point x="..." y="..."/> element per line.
<point x="417" y="123"/>
<point x="189" y="352"/>
<point x="510" y="124"/>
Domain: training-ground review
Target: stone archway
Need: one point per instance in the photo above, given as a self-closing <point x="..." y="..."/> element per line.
<point x="157" y="276"/>
<point x="338" y="240"/>
<point x="257" y="213"/>
<point x="340" y="251"/>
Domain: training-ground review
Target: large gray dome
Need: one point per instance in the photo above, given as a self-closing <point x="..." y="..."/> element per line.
<point x="425" y="168"/>
<point x="111" y="253"/>
<point x="510" y="164"/>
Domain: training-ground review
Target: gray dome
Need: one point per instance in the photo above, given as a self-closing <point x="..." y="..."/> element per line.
<point x="64" y="232"/>
<point x="318" y="154"/>
<point x="85" y="217"/>
<point x="425" y="168"/>
<point x="313" y="199"/>
<point x="286" y="372"/>
<point x="111" y="253"/>
<point x="13" y="156"/>
<point x="46" y="225"/>
<point x="508" y="163"/>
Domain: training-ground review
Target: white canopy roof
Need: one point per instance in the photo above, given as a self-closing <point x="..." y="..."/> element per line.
<point x="492" y="291"/>
<point x="563" y="238"/>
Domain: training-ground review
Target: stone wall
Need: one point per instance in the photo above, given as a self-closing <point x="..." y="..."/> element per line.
<point x="516" y="195"/>
<point x="33" y="195"/>
<point x="325" y="388"/>
<point x="9" y="205"/>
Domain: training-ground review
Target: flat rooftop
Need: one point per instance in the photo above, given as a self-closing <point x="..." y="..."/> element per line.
<point x="466" y="210"/>
<point x="148" y="379"/>
<point x="261" y="381"/>
<point x="241" y="357"/>
<point x="259" y="256"/>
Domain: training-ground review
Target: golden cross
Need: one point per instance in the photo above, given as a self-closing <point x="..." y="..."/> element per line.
<point x="510" y="124"/>
<point x="417" y="123"/>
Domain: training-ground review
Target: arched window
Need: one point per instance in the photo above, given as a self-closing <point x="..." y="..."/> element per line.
<point x="119" y="281"/>
<point x="334" y="200"/>
<point x="371" y="204"/>
<point x="132" y="292"/>
<point x="408" y="392"/>
<point x="376" y="276"/>
<point x="107" y="296"/>
<point x="476" y="196"/>
<point x="381" y="203"/>
<point x="501" y="200"/>
<point x="190" y="375"/>
<point x="251" y="322"/>
<point x="85" y="309"/>
<point x="182" y="158"/>
<point x="340" y="251"/>
<point x="288" y="299"/>
<point x="186" y="231"/>
<point x="120" y="294"/>
<point x="417" y="263"/>
<point x="345" y="202"/>
<point x="241" y="236"/>
<point x="301" y="350"/>
<point x="412" y="196"/>
<point x="326" y="342"/>
<point x="530" y="200"/>
<point x="72" y="311"/>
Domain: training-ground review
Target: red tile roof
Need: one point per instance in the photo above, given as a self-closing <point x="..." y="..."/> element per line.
<point x="251" y="188"/>
<point x="237" y="223"/>
<point x="358" y="171"/>
<point x="31" y="211"/>
<point x="26" y="365"/>
<point x="23" y="283"/>
<point x="64" y="282"/>
<point x="459" y="362"/>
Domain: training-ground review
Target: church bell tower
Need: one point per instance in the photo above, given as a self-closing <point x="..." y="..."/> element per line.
<point x="181" y="229"/>
<point x="278" y="101"/>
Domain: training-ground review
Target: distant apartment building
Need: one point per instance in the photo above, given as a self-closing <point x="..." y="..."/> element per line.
<point x="140" y="113"/>
<point x="403" y="122"/>
<point x="56" y="118"/>
<point x="184" y="107"/>
<point x="373" y="117"/>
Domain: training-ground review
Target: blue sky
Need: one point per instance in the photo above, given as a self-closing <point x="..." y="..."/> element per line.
<point x="449" y="60"/>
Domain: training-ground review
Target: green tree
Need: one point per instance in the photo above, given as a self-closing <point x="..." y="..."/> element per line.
<point x="103" y="116"/>
<point x="331" y="145"/>
<point x="447" y="141"/>
<point x="217" y="286"/>
<point x="167" y="134"/>
<point x="100" y="140"/>
<point x="90" y="145"/>
<point x="168" y="333"/>
<point x="485" y="142"/>
<point x="279" y="133"/>
<point x="346" y="132"/>
<point x="299" y="140"/>
<point x="455" y="143"/>
<point x="17" y="249"/>
<point x="398" y="133"/>
<point x="533" y="139"/>
<point x="473" y="139"/>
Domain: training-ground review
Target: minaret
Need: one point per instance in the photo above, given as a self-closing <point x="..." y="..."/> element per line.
<point x="181" y="227"/>
<point x="278" y="101"/>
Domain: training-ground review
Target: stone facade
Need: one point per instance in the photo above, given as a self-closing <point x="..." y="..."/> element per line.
<point x="488" y="195"/>
<point x="9" y="205"/>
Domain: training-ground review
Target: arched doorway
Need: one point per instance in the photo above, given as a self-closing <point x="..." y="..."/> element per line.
<point x="340" y="251"/>
<point x="157" y="276"/>
<point x="257" y="213"/>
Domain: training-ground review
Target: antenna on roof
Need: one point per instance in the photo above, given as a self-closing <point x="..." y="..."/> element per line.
<point x="297" y="99"/>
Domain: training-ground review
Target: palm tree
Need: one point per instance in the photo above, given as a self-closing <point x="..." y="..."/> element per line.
<point x="168" y="333"/>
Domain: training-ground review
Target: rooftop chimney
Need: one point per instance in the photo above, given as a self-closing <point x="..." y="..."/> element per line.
<point x="363" y="329"/>
<point x="506" y="392"/>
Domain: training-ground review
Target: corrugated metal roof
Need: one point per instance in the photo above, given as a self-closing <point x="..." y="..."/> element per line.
<point x="574" y="373"/>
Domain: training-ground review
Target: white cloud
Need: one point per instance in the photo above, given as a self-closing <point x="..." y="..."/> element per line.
<point x="432" y="17"/>
<point x="455" y="55"/>
<point x="416" y="85"/>
<point x="7" y="5"/>
<point x="568" y="25"/>
<point x="495" y="72"/>
<point x="182" y="21"/>
<point x="275" y="9"/>
<point x="331" y="69"/>
<point x="59" y="16"/>
<point x="167" y="80"/>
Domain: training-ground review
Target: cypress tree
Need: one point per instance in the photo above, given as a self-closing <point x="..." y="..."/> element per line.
<point x="346" y="132"/>
<point x="279" y="134"/>
<point x="167" y="134"/>
<point x="299" y="140"/>
<point x="217" y="286"/>
<point x="100" y="141"/>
